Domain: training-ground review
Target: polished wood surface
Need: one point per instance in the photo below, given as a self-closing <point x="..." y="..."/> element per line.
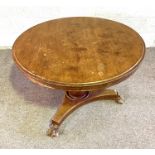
<point x="79" y="53"/>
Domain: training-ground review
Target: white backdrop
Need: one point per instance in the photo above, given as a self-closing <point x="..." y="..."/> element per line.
<point x="18" y="15"/>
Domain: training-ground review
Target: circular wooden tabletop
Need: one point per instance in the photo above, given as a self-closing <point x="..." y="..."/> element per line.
<point x="79" y="53"/>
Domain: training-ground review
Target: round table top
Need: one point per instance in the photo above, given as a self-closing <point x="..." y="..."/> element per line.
<point x="78" y="53"/>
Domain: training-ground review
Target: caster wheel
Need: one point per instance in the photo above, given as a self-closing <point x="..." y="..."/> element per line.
<point x="53" y="131"/>
<point x="120" y="101"/>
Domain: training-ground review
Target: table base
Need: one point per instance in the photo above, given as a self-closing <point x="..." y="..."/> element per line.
<point x="75" y="99"/>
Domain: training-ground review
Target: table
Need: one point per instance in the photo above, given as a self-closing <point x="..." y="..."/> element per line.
<point x="82" y="56"/>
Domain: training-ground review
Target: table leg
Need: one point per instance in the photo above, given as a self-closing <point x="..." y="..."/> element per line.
<point x="75" y="99"/>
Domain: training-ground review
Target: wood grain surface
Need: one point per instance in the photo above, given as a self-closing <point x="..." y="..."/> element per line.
<point x="79" y="53"/>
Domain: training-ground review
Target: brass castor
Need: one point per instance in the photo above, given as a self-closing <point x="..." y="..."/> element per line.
<point x="53" y="131"/>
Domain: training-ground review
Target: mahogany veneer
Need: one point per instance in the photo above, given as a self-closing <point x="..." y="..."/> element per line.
<point x="81" y="55"/>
